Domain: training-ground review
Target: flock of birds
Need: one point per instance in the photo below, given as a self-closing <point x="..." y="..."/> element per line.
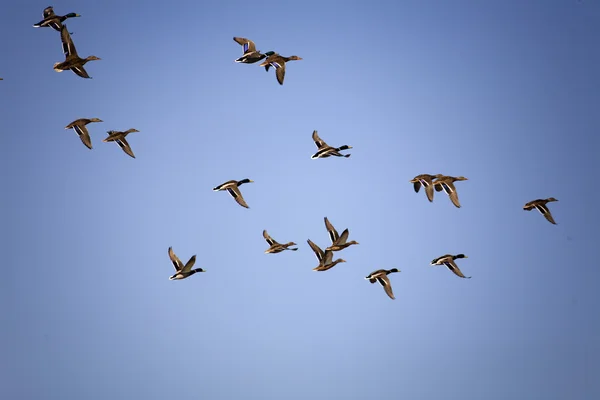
<point x="431" y="183"/>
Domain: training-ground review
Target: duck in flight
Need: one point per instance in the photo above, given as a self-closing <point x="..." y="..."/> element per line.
<point x="233" y="188"/>
<point x="381" y="276"/>
<point x="52" y="20"/>
<point x="276" y="247"/>
<point x="72" y="60"/>
<point x="278" y="63"/>
<point x="183" y="271"/>
<point x="541" y="206"/>
<point x="79" y="126"/>
<point x="448" y="261"/>
<point x="119" y="137"/>
<point x="324" y="150"/>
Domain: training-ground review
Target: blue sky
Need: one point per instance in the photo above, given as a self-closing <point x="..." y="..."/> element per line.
<point x="505" y="93"/>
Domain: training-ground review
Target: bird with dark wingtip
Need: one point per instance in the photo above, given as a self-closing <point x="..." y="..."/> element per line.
<point x="540" y="205"/>
<point x="182" y="271"/>
<point x="381" y="276"/>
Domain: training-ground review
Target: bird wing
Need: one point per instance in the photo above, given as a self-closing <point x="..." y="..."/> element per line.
<point x="234" y="191"/>
<point x="454" y="268"/>
<point x="343" y="237"/>
<point x="79" y="70"/>
<point x="122" y="142"/>
<point x="387" y="286"/>
<point x="333" y="234"/>
<point x="450" y="189"/>
<point x="189" y="265"/>
<point x="318" y="141"/>
<point x="83" y="135"/>
<point x="279" y="70"/>
<point x="417" y="186"/>
<point x="542" y="208"/>
<point x="318" y="252"/>
<point x="67" y="43"/>
<point x="247" y="44"/>
<point x="175" y="260"/>
<point x="268" y="238"/>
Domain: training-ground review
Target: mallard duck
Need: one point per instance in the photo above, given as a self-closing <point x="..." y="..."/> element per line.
<point x="324" y="150"/>
<point x="119" y="137"/>
<point x="277" y="61"/>
<point x="275" y="246"/>
<point x="79" y="126"/>
<point x="337" y="242"/>
<point x="448" y="261"/>
<point x="447" y="184"/>
<point x="53" y="20"/>
<point x="72" y="60"/>
<point x="381" y="276"/>
<point x="251" y="55"/>
<point x="234" y="190"/>
<point x="325" y="258"/>
<point x="540" y="205"/>
<point x="183" y="271"/>
<point x="426" y="181"/>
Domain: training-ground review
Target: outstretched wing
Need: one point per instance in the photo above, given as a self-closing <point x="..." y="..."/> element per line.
<point x="333" y="234"/>
<point x="247" y="44"/>
<point x="48" y="12"/>
<point x="175" y="260"/>
<point x="122" y="142"/>
<point x="83" y="135"/>
<point x="454" y="268"/>
<point x="542" y="208"/>
<point x="387" y="286"/>
<point x="268" y="238"/>
<point x="234" y="191"/>
<point x="189" y="265"/>
<point x="67" y="43"/>
<point x="317" y="250"/>
<point x="318" y="141"/>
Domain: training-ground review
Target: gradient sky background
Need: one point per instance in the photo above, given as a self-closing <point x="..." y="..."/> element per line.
<point x="505" y="93"/>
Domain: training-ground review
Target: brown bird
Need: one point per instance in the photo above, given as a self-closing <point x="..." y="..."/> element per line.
<point x="79" y="126"/>
<point x="234" y="190"/>
<point x="325" y="258"/>
<point x="540" y="205"/>
<point x="446" y="183"/>
<point x="448" y="261"/>
<point x="338" y="242"/>
<point x="278" y="61"/>
<point x="427" y="181"/>
<point x="182" y="271"/>
<point x="119" y="137"/>
<point x="275" y="246"/>
<point x="72" y="60"/>
<point x="381" y="276"/>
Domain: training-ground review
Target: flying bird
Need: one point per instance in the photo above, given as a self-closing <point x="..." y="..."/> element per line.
<point x="278" y="62"/>
<point x="540" y="205"/>
<point x="52" y="20"/>
<point x="234" y="190"/>
<point x="338" y="242"/>
<point x="448" y="261"/>
<point x="324" y="150"/>
<point x="325" y="258"/>
<point x="381" y="276"/>
<point x="275" y="246"/>
<point x="183" y="271"/>
<point x="79" y="126"/>
<point x="119" y="137"/>
<point x="446" y="183"/>
<point x="251" y="55"/>
<point x="426" y="181"/>
<point x="72" y="60"/>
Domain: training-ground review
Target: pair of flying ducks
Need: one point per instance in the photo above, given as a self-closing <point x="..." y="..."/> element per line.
<point x="79" y="126"/>
<point x="251" y="55"/>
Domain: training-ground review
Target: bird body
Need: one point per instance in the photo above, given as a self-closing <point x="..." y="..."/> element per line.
<point x="278" y="61"/>
<point x="325" y="258"/>
<point x="275" y="246"/>
<point x="541" y="206"/>
<point x="426" y="181"/>
<point x="448" y="261"/>
<point x="79" y="126"/>
<point x="72" y="60"/>
<point x="182" y="271"/>
<point x="233" y="188"/>
<point x="324" y="150"/>
<point x="119" y="138"/>
<point x="52" y="20"/>
<point x="381" y="276"/>
<point x="446" y="183"/>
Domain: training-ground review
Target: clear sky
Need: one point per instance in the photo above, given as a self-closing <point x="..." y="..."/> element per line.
<point x="505" y="93"/>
